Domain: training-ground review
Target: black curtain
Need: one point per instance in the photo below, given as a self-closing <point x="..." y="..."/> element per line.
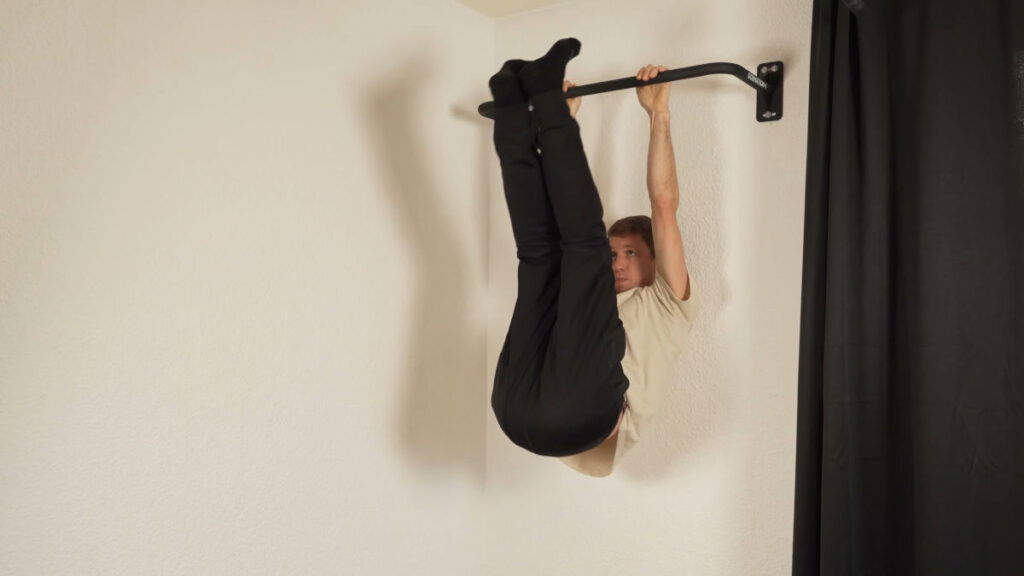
<point x="910" y="449"/>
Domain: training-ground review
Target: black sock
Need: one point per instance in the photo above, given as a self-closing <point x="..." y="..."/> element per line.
<point x="505" y="84"/>
<point x="548" y="72"/>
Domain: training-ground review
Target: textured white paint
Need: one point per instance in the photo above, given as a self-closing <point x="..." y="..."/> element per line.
<point x="242" y="279"/>
<point x="710" y="492"/>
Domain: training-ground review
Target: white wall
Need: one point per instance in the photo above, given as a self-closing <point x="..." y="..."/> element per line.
<point x="256" y="268"/>
<point x="710" y="492"/>
<point x="242" y="287"/>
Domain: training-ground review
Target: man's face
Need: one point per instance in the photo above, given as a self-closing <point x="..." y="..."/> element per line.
<point x="631" y="262"/>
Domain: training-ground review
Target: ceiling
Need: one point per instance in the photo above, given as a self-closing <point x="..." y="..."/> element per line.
<point x="499" y="8"/>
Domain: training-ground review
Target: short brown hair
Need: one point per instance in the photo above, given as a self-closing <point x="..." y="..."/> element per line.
<point x="639" y="224"/>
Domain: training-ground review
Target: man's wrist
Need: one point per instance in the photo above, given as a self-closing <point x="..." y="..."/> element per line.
<point x="660" y="115"/>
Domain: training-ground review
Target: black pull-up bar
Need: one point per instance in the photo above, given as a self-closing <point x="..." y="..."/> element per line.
<point x="767" y="83"/>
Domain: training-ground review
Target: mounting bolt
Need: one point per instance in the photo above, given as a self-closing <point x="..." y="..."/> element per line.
<point x="764" y="69"/>
<point x="766" y="114"/>
<point x="775" y="67"/>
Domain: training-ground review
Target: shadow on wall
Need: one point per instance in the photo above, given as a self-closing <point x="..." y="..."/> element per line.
<point x="440" y="423"/>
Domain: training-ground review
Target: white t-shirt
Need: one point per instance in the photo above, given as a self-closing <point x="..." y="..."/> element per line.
<point x="657" y="326"/>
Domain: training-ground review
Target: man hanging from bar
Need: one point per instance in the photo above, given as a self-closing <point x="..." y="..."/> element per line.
<point x="595" y="331"/>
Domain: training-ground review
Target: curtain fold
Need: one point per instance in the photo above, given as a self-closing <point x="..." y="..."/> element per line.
<point x="910" y="448"/>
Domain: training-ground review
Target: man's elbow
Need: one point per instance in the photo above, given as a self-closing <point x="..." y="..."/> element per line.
<point x="665" y="199"/>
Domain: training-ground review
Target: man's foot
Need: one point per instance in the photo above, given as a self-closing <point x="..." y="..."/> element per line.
<point x="505" y="84"/>
<point x="547" y="72"/>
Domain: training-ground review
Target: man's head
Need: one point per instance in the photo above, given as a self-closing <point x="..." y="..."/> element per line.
<point x="632" y="244"/>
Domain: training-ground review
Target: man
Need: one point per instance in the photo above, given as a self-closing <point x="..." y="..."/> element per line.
<point x="561" y="382"/>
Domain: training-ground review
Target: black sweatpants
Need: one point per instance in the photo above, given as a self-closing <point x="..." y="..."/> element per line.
<point x="559" y="386"/>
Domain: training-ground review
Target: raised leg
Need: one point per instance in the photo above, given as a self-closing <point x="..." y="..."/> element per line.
<point x="582" y="385"/>
<point x="559" y="387"/>
<point x="517" y="375"/>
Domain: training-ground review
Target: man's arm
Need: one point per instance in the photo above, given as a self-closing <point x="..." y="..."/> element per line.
<point x="663" y="189"/>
